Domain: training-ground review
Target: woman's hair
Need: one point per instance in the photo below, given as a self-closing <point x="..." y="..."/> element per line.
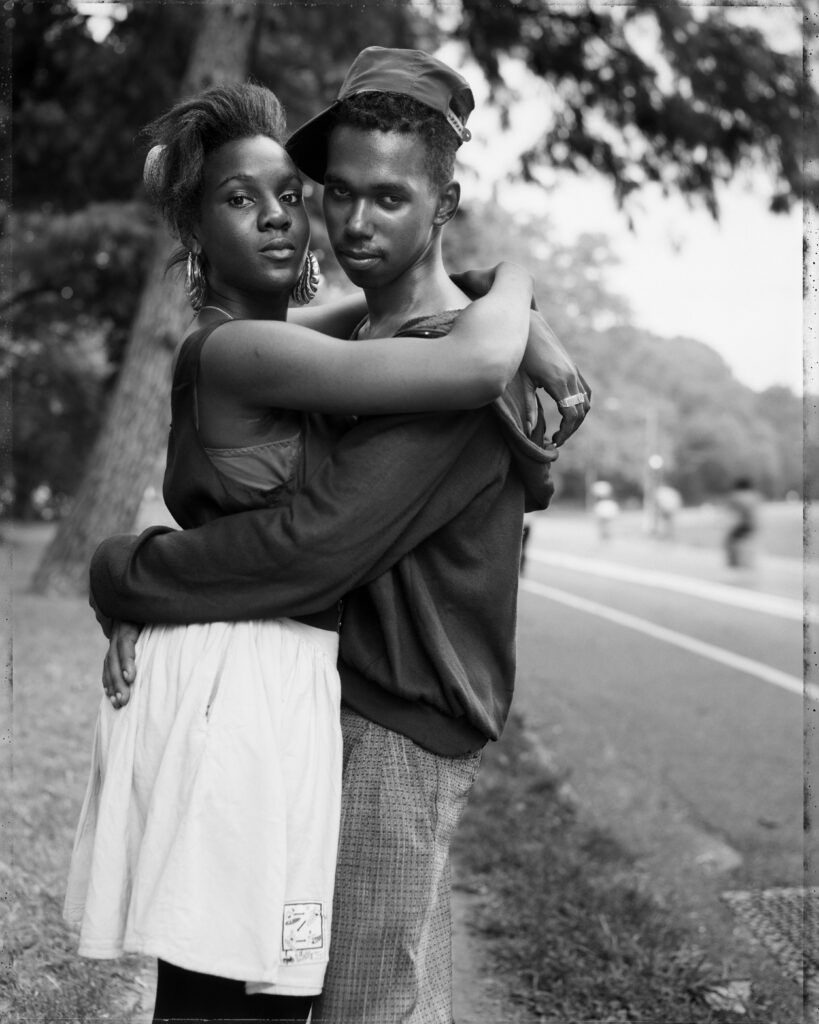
<point x="395" y="112"/>
<point x="185" y="135"/>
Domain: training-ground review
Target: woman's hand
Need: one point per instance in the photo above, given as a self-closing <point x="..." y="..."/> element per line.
<point x="550" y="367"/>
<point x="119" y="667"/>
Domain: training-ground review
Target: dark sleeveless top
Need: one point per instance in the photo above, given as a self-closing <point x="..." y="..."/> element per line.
<point x="195" y="491"/>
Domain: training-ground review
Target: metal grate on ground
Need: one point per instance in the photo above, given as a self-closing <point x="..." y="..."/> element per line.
<point x="786" y="923"/>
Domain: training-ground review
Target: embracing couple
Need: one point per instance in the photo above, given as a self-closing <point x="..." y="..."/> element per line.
<point x="300" y="682"/>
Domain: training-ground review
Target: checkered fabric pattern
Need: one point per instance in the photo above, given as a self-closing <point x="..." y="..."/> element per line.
<point x="391" y="950"/>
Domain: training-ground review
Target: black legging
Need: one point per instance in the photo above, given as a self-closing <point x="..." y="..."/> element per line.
<point x="186" y="995"/>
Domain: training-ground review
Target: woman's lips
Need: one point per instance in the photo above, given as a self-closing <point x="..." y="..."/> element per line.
<point x="278" y="250"/>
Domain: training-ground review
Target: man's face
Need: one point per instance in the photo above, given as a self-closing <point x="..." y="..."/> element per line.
<point x="379" y="204"/>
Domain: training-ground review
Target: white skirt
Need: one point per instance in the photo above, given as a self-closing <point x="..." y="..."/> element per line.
<point x="209" y="830"/>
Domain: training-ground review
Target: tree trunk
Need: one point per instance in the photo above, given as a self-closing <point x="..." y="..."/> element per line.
<point x="132" y="439"/>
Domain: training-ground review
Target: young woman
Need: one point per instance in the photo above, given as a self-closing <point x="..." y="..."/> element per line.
<point x="208" y="833"/>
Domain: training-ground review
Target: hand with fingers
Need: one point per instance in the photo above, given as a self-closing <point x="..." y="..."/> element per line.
<point x="550" y="367"/>
<point x="546" y="362"/>
<point x="119" y="666"/>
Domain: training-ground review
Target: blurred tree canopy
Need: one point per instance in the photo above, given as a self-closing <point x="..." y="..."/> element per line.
<point x="669" y="94"/>
<point x="78" y="106"/>
<point x="712" y="95"/>
<point x="78" y="277"/>
<point x="676" y="395"/>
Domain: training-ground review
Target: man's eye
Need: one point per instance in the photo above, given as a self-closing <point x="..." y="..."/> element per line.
<point x="390" y="201"/>
<point x="292" y="198"/>
<point x="337" y="192"/>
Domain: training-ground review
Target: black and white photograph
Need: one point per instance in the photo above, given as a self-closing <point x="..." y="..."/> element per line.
<point x="409" y="429"/>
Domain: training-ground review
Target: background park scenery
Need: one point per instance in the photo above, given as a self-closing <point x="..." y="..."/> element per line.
<point x="703" y="110"/>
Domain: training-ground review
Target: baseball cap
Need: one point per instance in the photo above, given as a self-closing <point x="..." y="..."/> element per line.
<point x="383" y="69"/>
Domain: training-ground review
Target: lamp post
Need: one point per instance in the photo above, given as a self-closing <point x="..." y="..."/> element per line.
<point x="652" y="468"/>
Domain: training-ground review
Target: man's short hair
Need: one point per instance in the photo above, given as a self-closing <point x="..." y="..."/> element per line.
<point x="395" y="112"/>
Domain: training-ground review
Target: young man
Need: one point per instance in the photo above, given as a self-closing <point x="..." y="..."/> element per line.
<point x="415" y="520"/>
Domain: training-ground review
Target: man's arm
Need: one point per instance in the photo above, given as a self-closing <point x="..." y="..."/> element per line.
<point x="387" y="485"/>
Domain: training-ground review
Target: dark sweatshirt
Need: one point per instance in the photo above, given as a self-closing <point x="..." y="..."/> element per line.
<point x="416" y="521"/>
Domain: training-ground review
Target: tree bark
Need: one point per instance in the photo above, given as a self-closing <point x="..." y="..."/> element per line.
<point x="132" y="440"/>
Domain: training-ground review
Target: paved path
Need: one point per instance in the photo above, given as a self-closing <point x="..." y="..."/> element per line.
<point x="669" y="686"/>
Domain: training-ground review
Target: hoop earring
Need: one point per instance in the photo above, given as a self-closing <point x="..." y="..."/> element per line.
<point x="305" y="288"/>
<point x="195" y="281"/>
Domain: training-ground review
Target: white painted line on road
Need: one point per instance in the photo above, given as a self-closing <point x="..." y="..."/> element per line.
<point x="770" y="604"/>
<point x="670" y="636"/>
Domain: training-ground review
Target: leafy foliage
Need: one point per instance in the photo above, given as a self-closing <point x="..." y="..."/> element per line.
<point x="87" y="263"/>
<point x="78" y="106"/>
<point x="715" y="97"/>
<point x="75" y="284"/>
<point x="678" y="399"/>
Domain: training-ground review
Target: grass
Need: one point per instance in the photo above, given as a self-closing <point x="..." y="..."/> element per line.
<point x="568" y="920"/>
<point x="58" y="653"/>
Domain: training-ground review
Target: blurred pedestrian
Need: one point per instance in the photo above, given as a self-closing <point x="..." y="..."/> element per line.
<point x="743" y="503"/>
<point x="605" y="508"/>
<point x="667" y="504"/>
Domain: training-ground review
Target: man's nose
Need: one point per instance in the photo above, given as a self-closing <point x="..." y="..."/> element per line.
<point x="359" y="222"/>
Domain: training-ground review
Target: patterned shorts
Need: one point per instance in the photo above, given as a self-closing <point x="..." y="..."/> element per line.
<point x="391" y="953"/>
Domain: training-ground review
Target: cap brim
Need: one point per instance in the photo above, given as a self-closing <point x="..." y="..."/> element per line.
<point x="308" y="145"/>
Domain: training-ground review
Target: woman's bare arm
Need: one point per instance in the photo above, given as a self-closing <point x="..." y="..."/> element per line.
<point x="338" y="318"/>
<point x="278" y="364"/>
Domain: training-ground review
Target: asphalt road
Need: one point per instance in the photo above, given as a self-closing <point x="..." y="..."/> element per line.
<point x="669" y="690"/>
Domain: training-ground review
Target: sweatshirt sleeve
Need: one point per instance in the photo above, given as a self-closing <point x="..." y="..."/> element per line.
<point x="389" y="483"/>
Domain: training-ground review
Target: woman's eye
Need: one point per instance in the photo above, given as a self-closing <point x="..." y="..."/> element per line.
<point x="292" y="198"/>
<point x="239" y="201"/>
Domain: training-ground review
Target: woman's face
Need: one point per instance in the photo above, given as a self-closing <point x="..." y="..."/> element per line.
<point x="253" y="228"/>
